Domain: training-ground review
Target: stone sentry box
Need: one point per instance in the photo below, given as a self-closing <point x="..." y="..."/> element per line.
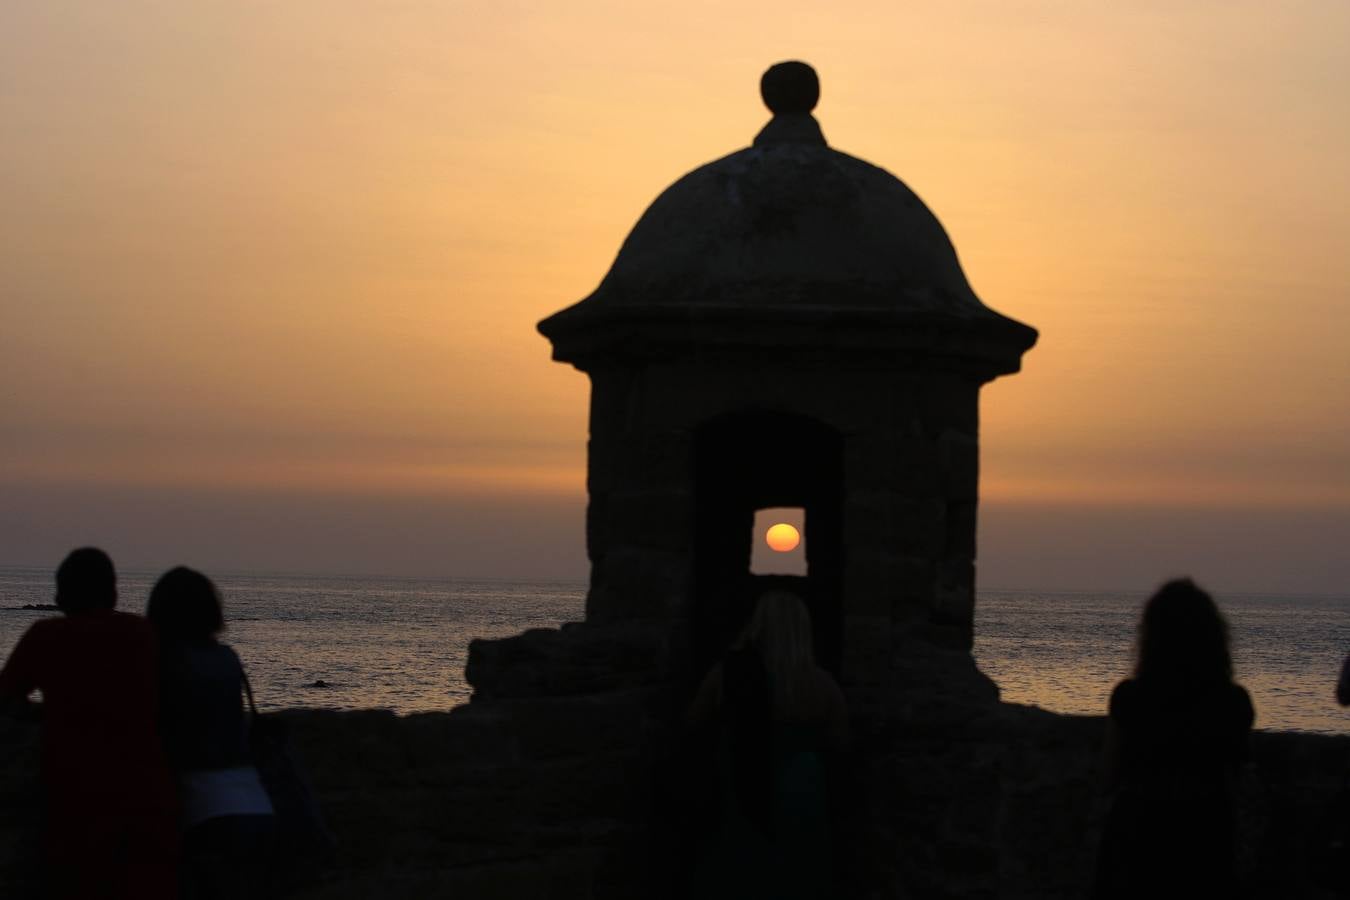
<point x="789" y="326"/>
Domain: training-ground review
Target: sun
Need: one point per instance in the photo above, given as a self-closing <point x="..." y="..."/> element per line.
<point x="782" y="537"/>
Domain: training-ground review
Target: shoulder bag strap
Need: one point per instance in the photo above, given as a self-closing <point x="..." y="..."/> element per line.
<point x="248" y="692"/>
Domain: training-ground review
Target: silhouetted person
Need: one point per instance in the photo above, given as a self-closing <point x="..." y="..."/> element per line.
<point x="1343" y="684"/>
<point x="1177" y="735"/>
<point x="777" y="717"/>
<point x="110" y="806"/>
<point x="229" y="836"/>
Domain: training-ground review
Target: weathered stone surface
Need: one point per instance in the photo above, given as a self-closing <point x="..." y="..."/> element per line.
<point x="911" y="466"/>
<point x="948" y="403"/>
<point x="1012" y="810"/>
<point x="961" y="530"/>
<point x="960" y="465"/>
<point x="894" y="522"/>
<point x="633" y="584"/>
<point x="954" y="600"/>
<point x="654" y="519"/>
<point x="546" y="662"/>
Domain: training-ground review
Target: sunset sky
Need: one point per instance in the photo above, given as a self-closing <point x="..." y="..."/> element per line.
<point x="269" y="271"/>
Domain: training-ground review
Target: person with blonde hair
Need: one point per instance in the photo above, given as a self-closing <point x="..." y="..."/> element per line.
<point x="777" y="717"/>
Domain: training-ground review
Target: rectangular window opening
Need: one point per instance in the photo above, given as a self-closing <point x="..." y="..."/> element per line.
<point x="782" y="527"/>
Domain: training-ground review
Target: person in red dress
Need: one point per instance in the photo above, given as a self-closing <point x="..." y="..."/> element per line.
<point x="110" y="829"/>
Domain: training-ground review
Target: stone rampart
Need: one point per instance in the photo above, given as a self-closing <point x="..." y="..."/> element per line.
<point x="562" y="798"/>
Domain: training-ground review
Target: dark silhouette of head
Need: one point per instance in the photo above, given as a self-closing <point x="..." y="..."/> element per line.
<point x="185" y="606"/>
<point x="1183" y="636"/>
<point x="790" y="87"/>
<point x="86" y="582"/>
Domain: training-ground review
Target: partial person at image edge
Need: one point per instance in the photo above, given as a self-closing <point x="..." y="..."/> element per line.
<point x="109" y="796"/>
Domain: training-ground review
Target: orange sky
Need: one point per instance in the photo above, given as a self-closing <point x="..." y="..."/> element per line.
<point x="294" y="252"/>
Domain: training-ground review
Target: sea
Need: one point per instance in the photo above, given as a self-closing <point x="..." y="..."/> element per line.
<point x="401" y="643"/>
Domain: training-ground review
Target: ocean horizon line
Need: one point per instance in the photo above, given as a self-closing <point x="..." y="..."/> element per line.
<point x="583" y="581"/>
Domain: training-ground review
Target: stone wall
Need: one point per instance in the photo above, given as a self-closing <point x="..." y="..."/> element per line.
<point x="566" y="798"/>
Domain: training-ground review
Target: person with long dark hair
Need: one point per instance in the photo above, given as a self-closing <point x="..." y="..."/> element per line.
<point x="1178" y="733"/>
<point x="229" y="828"/>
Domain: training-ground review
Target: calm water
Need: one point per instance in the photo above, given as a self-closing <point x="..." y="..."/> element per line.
<point x="1065" y="651"/>
<point x="401" y="643"/>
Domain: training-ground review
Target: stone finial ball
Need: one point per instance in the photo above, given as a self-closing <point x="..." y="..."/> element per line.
<point x="790" y="87"/>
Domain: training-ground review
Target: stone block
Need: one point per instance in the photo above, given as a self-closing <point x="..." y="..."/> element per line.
<point x="587" y="659"/>
<point x="972" y="814"/>
<point x="628" y="871"/>
<point x="961" y="530"/>
<point x="867" y="586"/>
<point x="370" y="740"/>
<point x="608" y="785"/>
<point x="613" y="389"/>
<point x="948" y="402"/>
<point x="895" y="523"/>
<point x="520" y="879"/>
<point x="597" y="522"/>
<point x="465" y="735"/>
<point x="488" y="820"/>
<point x="565" y="727"/>
<point x="653" y="584"/>
<point x="664" y="461"/>
<point x="679" y="396"/>
<point x="610" y="463"/>
<point x="571" y="873"/>
<point x="960" y="466"/>
<point x="970" y="861"/>
<point x="954" y="599"/>
<point x="652" y="519"/>
<point x="949" y="636"/>
<point x="909" y="465"/>
<point x="605" y="605"/>
<point x="867" y="648"/>
<point x="886" y="584"/>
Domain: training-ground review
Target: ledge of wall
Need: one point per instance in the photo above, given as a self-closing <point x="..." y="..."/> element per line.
<point x="552" y="799"/>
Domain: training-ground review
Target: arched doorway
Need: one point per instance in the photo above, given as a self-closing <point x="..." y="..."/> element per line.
<point x="752" y="460"/>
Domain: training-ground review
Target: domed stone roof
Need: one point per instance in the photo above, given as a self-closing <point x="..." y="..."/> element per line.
<point x="788" y="229"/>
